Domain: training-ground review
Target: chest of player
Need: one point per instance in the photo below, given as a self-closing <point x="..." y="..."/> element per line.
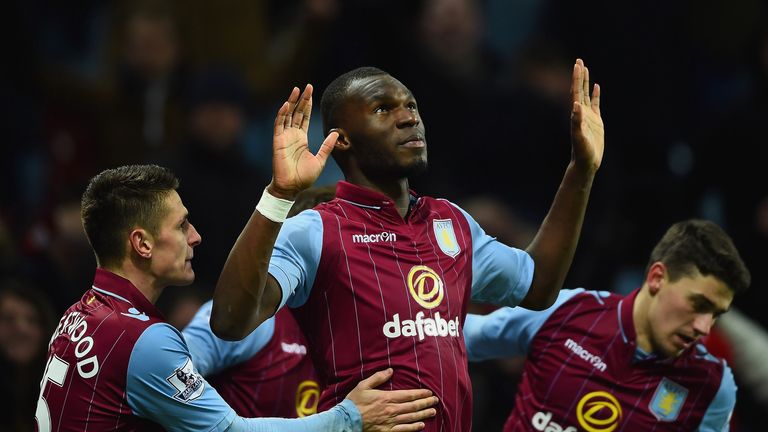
<point x="422" y="265"/>
<point x="585" y="377"/>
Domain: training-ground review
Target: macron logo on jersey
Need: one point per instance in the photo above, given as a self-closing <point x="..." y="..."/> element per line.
<point x="375" y="238"/>
<point x="582" y="353"/>
<point x="134" y="313"/>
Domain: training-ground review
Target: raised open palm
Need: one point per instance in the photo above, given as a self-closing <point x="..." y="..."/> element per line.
<point x="587" y="132"/>
<point x="294" y="167"/>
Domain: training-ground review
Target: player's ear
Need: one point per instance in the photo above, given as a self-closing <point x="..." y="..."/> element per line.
<point x="342" y="142"/>
<point x="655" y="276"/>
<point x="141" y="242"/>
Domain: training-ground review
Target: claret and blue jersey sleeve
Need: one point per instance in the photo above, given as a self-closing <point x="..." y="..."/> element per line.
<point x="163" y="385"/>
<point x="211" y="354"/>
<point x="501" y="274"/>
<point x="718" y="415"/>
<point x="296" y="256"/>
<point x="507" y="332"/>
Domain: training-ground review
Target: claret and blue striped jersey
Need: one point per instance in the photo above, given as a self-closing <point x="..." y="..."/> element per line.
<point x="115" y="365"/>
<point x="584" y="371"/>
<point x="267" y="374"/>
<point x="374" y="290"/>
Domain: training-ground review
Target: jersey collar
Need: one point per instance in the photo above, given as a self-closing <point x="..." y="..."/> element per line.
<point x="626" y="323"/>
<point x="367" y="198"/>
<point x="121" y="289"/>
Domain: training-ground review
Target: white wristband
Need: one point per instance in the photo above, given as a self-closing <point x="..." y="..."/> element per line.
<point x="273" y="208"/>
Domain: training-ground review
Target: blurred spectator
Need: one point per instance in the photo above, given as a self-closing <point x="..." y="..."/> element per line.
<point x="26" y="322"/>
<point x="273" y="43"/>
<point x="143" y="118"/>
<point x="455" y="78"/>
<point x="732" y="147"/>
<point x="58" y="256"/>
<point x="8" y="256"/>
<point x="217" y="183"/>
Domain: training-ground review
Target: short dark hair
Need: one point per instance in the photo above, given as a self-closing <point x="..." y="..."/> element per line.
<point x="336" y="92"/>
<point x="116" y="200"/>
<point x="701" y="245"/>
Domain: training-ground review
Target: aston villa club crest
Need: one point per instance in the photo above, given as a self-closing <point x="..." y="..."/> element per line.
<point x="446" y="237"/>
<point x="189" y="384"/>
<point x="668" y="400"/>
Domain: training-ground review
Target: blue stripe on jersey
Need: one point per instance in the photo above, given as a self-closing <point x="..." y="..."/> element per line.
<point x="296" y="256"/>
<point x="718" y="414"/>
<point x="211" y="354"/>
<point x="507" y="332"/>
<point x="501" y="274"/>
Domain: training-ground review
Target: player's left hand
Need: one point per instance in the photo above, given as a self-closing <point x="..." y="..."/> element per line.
<point x="394" y="410"/>
<point x="587" y="133"/>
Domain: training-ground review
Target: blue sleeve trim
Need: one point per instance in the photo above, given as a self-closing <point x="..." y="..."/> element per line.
<point x="344" y="417"/>
<point x="501" y="274"/>
<point x="162" y="385"/>
<point x="296" y="256"/>
<point x="507" y="332"/>
<point x="718" y="415"/>
<point x="211" y="354"/>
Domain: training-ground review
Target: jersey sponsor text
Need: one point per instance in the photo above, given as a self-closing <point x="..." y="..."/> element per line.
<point x="543" y="422"/>
<point x="421" y="327"/>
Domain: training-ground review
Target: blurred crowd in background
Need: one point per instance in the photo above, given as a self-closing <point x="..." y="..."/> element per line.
<point x="195" y="84"/>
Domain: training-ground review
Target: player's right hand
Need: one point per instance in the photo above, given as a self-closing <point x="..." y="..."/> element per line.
<point x="587" y="130"/>
<point x="394" y="410"/>
<point x="294" y="167"/>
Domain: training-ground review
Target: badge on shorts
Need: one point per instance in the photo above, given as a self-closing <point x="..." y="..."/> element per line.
<point x="189" y="384"/>
<point x="445" y="236"/>
<point x="668" y="400"/>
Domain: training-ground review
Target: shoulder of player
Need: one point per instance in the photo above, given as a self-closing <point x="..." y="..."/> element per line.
<point x="579" y="307"/>
<point x="589" y="300"/>
<point x="700" y="357"/>
<point x="123" y="317"/>
<point x="598" y="298"/>
<point x="102" y="323"/>
<point x="444" y="209"/>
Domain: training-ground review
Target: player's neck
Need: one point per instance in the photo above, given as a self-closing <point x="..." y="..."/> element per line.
<point x="140" y="278"/>
<point x="640" y="320"/>
<point x="396" y="190"/>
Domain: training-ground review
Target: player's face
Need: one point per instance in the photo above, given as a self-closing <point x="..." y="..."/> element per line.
<point x="382" y="122"/>
<point x="21" y="332"/>
<point x="172" y="251"/>
<point x="684" y="311"/>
